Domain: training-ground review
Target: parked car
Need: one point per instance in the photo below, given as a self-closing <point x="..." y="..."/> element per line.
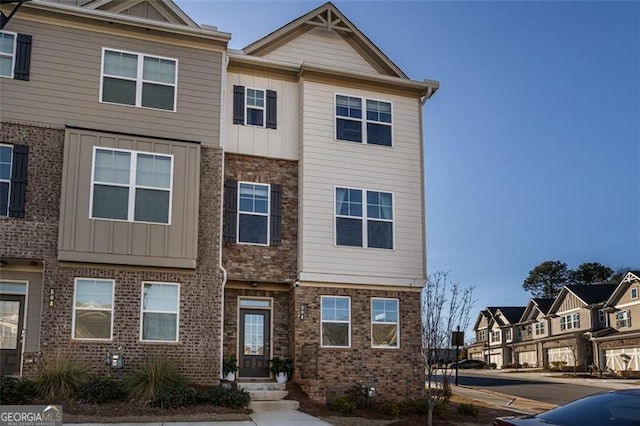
<point x="468" y="363"/>
<point x="612" y="408"/>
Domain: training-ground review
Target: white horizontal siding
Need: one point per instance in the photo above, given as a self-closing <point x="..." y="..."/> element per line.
<point x="322" y="47"/>
<point x="328" y="163"/>
<point x="64" y="86"/>
<point x="281" y="142"/>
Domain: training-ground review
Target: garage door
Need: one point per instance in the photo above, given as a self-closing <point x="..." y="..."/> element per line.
<point x="476" y="355"/>
<point x="496" y="359"/>
<point x="561" y="355"/>
<point x="529" y="358"/>
<point x="623" y="359"/>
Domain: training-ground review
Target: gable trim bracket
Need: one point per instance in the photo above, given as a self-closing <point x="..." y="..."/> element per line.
<point x="4" y="19"/>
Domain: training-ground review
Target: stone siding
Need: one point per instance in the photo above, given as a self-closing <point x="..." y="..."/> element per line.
<point x="245" y="262"/>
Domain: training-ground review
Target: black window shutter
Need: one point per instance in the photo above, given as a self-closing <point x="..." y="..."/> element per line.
<point x="238" y="104"/>
<point x="230" y="210"/>
<point x="276" y="214"/>
<point x="18" y="180"/>
<point x="272" y="109"/>
<point x="23" y="57"/>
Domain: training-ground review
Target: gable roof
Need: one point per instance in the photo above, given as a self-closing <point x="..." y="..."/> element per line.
<point x="628" y="279"/>
<point x="544" y="304"/>
<point x="483" y="314"/>
<point x="588" y="294"/>
<point x="165" y="8"/>
<point x="511" y="313"/>
<point x="330" y="17"/>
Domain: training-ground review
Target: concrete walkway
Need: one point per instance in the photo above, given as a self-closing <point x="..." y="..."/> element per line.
<point x="259" y="418"/>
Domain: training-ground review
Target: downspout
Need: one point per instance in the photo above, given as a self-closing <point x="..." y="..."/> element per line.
<point x="423" y="181"/>
<point x="223" y="91"/>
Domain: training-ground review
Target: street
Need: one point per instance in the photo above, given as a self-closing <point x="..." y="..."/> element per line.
<point x="538" y="390"/>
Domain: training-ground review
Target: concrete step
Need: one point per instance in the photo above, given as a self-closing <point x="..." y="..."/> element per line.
<point x="283" y="404"/>
<point x="262" y="386"/>
<point x="267" y="395"/>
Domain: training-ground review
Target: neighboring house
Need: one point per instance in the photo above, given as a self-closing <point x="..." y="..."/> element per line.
<point x="324" y="234"/>
<point x="496" y="331"/>
<point x="617" y="348"/>
<point x="111" y="170"/>
<point x="534" y="326"/>
<point x="166" y="196"/>
<point x="574" y="313"/>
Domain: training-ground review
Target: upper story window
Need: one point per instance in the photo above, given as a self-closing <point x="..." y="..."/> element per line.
<point x="384" y="323"/>
<point x="160" y="308"/>
<point x="131" y="185"/>
<point x="15" y="55"/>
<point x="336" y="321"/>
<point x="570" y="321"/>
<point x="623" y="319"/>
<point x="255" y="107"/>
<point x="634" y="293"/>
<point x="495" y="336"/>
<point x="508" y="335"/>
<point x="539" y="328"/>
<point x="603" y="317"/>
<point x="358" y="225"/>
<point x="481" y="335"/>
<point x="252" y="213"/>
<point x="139" y="80"/>
<point x="93" y="309"/>
<point x="374" y="128"/>
<point x="13" y="179"/>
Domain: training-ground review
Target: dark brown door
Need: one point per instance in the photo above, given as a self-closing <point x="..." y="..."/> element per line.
<point x="11" y="321"/>
<point x="255" y="341"/>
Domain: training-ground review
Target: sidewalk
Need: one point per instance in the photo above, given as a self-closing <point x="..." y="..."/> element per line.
<point x="259" y="418"/>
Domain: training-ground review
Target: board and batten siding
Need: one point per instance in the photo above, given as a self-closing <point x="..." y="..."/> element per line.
<point x="323" y="47"/>
<point x="105" y="241"/>
<point x="328" y="163"/>
<point x="64" y="86"/>
<point x="570" y="302"/>
<point x="282" y="142"/>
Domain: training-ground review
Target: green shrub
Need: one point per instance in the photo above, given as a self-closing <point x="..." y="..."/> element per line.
<point x="60" y="378"/>
<point x="228" y="397"/>
<point x="468" y="410"/>
<point x="418" y="406"/>
<point x="392" y="408"/>
<point x="344" y="405"/>
<point x="101" y="389"/>
<point x="358" y="396"/>
<point x="440" y="409"/>
<point x="15" y="390"/>
<point x="175" y="396"/>
<point x="151" y="378"/>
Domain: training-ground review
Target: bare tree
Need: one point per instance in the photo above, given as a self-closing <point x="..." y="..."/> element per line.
<point x="445" y="306"/>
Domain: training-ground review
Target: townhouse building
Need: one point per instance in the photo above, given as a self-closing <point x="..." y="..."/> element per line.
<point x="163" y="195"/>
<point x="497" y="330"/>
<point x="534" y="326"/>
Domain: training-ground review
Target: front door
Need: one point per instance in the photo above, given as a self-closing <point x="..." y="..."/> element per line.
<point x="255" y="326"/>
<point x="11" y="323"/>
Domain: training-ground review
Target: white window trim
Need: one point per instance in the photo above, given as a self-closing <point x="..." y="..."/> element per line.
<point x="634" y="290"/>
<point x="539" y="328"/>
<point x="623" y="316"/>
<point x="139" y="79"/>
<point x="510" y="333"/>
<point x="397" y="323"/>
<point x="8" y="180"/>
<point x="269" y="308"/>
<point x="143" y="311"/>
<point x="364" y="218"/>
<point x="263" y="108"/>
<point x="267" y="215"/>
<point x="570" y="321"/>
<point x="494" y="340"/>
<point x="322" y="345"/>
<point x="75" y="309"/>
<point x="13" y="54"/>
<point x="363" y="121"/>
<point x="133" y="165"/>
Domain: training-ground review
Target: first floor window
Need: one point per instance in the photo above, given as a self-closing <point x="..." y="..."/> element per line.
<point x="139" y="80"/>
<point x="364" y="225"/>
<point x="253" y="213"/>
<point x="384" y="323"/>
<point x="131" y="186"/>
<point x="93" y="309"/>
<point x="336" y="321"/>
<point x="160" y="307"/>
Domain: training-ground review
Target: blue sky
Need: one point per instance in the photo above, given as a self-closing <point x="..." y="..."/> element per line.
<point x="532" y="142"/>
